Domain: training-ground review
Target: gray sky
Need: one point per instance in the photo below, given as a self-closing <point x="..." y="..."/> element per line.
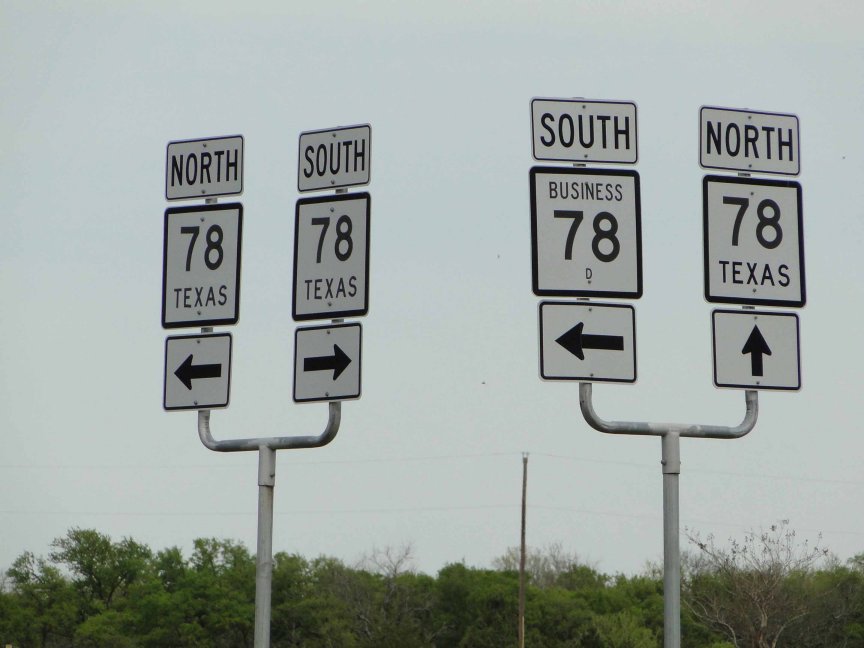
<point x="430" y="455"/>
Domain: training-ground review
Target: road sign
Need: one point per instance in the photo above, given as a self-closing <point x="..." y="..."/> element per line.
<point x="331" y="257"/>
<point x="748" y="141"/>
<point x="580" y="130"/>
<point x="587" y="342"/>
<point x="203" y="168"/>
<point x="201" y="265"/>
<point x="586" y="233"/>
<point x="334" y="158"/>
<point x="197" y="371"/>
<point x="327" y="363"/>
<point x="753" y="241"/>
<point x="756" y="350"/>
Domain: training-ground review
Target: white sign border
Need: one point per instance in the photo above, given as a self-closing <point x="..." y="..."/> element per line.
<point x="748" y="312"/>
<point x="230" y="321"/>
<point x="752" y="301"/>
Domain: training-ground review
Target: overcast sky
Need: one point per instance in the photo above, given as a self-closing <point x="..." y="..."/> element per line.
<point x="431" y="453"/>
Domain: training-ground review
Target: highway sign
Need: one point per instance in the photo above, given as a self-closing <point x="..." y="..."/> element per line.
<point x="753" y="241"/>
<point x="334" y="158"/>
<point x="587" y="342"/>
<point x="331" y="257"/>
<point x="748" y="141"/>
<point x="327" y="363"/>
<point x="197" y="371"/>
<point x="201" y="265"/>
<point x="203" y="168"/>
<point x="756" y="350"/>
<point x="580" y="130"/>
<point x="586" y="233"/>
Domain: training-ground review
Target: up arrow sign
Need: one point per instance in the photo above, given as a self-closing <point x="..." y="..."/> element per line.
<point x="756" y="346"/>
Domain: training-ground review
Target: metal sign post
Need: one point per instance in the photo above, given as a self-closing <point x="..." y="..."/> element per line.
<point x="670" y="435"/>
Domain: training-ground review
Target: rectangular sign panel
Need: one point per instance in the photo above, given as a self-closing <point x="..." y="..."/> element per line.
<point x="197" y="371"/>
<point x="331" y="257"/>
<point x="204" y="168"/>
<point x="748" y="141"/>
<point x="586" y="233"/>
<point x="587" y="342"/>
<point x="201" y="265"/>
<point x="579" y="130"/>
<point x="756" y="350"/>
<point x="334" y="158"/>
<point x="753" y="241"/>
<point x="327" y="363"/>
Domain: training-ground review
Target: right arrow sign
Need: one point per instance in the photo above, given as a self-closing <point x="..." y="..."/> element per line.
<point x="327" y="363"/>
<point x="756" y="350"/>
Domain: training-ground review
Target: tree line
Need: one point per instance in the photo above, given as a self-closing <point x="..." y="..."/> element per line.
<point x="767" y="590"/>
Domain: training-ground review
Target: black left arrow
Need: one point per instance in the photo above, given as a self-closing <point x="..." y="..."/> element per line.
<point x="756" y="346"/>
<point x="187" y="372"/>
<point x="575" y="341"/>
<point x="338" y="362"/>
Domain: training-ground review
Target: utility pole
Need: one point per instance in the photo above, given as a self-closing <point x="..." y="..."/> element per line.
<point x="522" y="554"/>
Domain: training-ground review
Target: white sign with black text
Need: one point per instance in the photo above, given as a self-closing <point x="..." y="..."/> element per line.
<point x="587" y="342"/>
<point x="581" y="130"/>
<point x="197" y="371"/>
<point x="201" y="265"/>
<point x="204" y="168"/>
<point x="586" y="236"/>
<point x="331" y="257"/>
<point x="753" y="241"/>
<point x="748" y="141"/>
<point x="756" y="350"/>
<point x="334" y="158"/>
<point x="327" y="363"/>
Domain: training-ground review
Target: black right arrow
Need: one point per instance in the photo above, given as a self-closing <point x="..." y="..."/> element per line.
<point x="757" y="347"/>
<point x="187" y="372"/>
<point x="337" y="362"/>
<point x="574" y="341"/>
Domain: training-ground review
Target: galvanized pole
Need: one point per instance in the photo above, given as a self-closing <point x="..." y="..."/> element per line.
<point x="264" y="557"/>
<point x="522" y="551"/>
<point x="671" y="551"/>
<point x="670" y="434"/>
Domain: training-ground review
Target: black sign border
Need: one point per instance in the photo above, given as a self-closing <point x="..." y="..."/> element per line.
<point x="752" y="301"/>
<point x="327" y="399"/>
<point x="203" y="208"/>
<point x="587" y="160"/>
<point x="753" y="312"/>
<point x="165" y="378"/>
<point x="333" y="130"/>
<point x="204" y="139"/>
<point x="553" y="292"/>
<point x="752" y="112"/>
<point x="331" y="314"/>
<point x="588" y="379"/>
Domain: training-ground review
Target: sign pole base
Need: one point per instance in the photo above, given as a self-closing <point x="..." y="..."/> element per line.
<point x="264" y="557"/>
<point x="671" y="550"/>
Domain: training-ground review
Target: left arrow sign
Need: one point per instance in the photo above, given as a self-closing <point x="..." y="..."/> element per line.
<point x="187" y="372"/>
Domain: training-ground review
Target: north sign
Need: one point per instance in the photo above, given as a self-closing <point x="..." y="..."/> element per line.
<point x="578" y="130"/>
<point x="587" y="342"/>
<point x="756" y="350"/>
<point x="753" y="241"/>
<point x="586" y="233"/>
<point x="331" y="257"/>
<point x="327" y="363"/>
<point x="204" y="168"/>
<point x="749" y="141"/>
<point x="197" y="371"/>
<point x="201" y="265"/>
<point x="334" y="158"/>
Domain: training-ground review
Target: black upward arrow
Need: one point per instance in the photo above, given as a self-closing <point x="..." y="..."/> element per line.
<point x="756" y="346"/>
<point x="575" y="341"/>
<point x="337" y="362"/>
<point x="187" y="372"/>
